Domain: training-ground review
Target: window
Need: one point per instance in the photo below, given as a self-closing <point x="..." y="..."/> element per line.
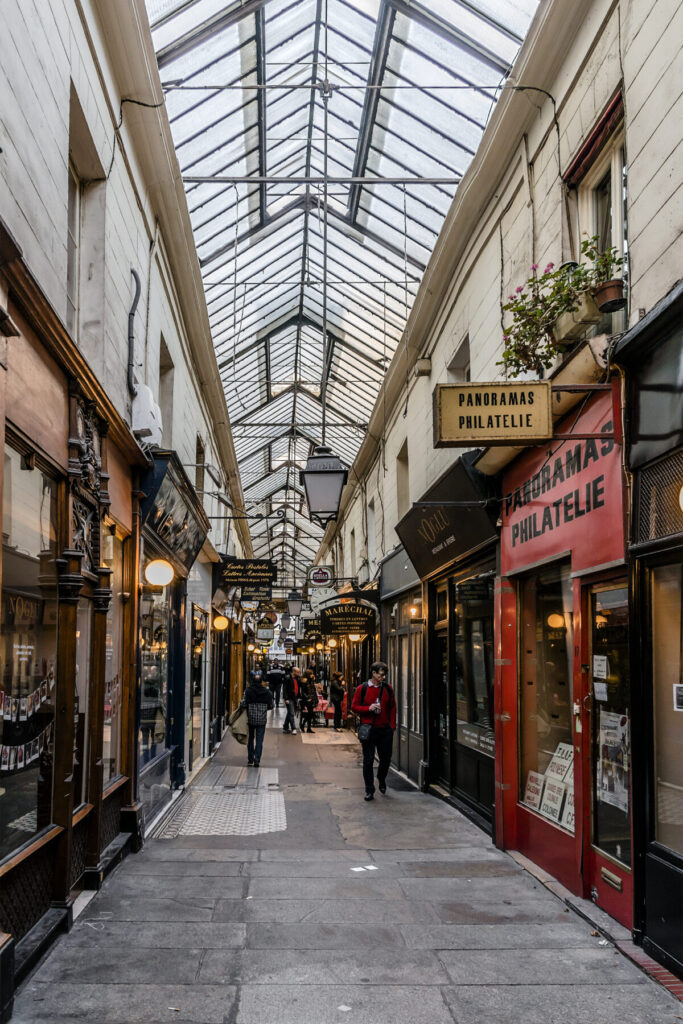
<point x="458" y="370"/>
<point x="155" y="611"/>
<point x="82" y="685"/>
<point x="402" y="481"/>
<point x="112" y="556"/>
<point x="199" y="467"/>
<point x="73" y="243"/>
<point x="545" y="694"/>
<point x="372" y="540"/>
<point x="352" y="543"/>
<point x="666" y="589"/>
<point x="602" y="212"/>
<point x="474" y="663"/>
<point x="166" y="372"/>
<point x="28" y="651"/>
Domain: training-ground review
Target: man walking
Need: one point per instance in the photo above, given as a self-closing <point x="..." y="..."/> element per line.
<point x="375" y="704"/>
<point x="258" y="700"/>
<point x="291" y="695"/>
<point x="275" y="679"/>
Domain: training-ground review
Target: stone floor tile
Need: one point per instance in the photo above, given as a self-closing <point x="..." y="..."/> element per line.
<point x="563" y="1004"/>
<point x="317" y="967"/>
<point x="322" y="936"/>
<point x="124" y="1004"/>
<point x="584" y="965"/>
<point x="497" y="936"/>
<point x="319" y="1004"/>
<point x="148" y="935"/>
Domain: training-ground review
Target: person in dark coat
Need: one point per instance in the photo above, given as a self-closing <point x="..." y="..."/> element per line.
<point x="309" y="700"/>
<point x="290" y="692"/>
<point x="337" y="692"/>
<point x="276" y="678"/>
<point x="258" y="700"/>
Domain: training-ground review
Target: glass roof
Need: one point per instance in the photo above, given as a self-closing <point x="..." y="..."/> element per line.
<point x="409" y="87"/>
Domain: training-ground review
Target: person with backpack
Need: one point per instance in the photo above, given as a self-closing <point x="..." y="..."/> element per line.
<point x="276" y="678"/>
<point x="258" y="700"/>
<point x="309" y="700"/>
<point x="375" y="704"/>
<point x="290" y="690"/>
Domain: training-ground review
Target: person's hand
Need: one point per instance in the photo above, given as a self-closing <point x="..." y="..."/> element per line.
<point x="376" y="707"/>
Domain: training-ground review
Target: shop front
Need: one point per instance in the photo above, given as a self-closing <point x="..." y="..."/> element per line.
<point x="174" y="528"/>
<point x="564" y="723"/>
<point x="402" y="648"/>
<point x="450" y="536"/>
<point x="651" y="353"/>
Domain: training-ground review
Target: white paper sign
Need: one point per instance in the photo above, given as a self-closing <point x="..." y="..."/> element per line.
<point x="567" y="819"/>
<point x="613" y="769"/>
<point x="561" y="762"/>
<point x="600" y="690"/>
<point x="600" y="666"/>
<point x="534" y="790"/>
<point x="678" y="697"/>
<point x="553" y="795"/>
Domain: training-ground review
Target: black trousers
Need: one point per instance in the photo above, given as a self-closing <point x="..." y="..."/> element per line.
<point x="337" y="712"/>
<point x="381" y="740"/>
<point x="307" y="713"/>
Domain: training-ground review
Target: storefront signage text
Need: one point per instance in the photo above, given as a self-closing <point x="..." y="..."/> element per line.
<point x="492" y="414"/>
<point x="245" y="572"/>
<point x="341" y="619"/>
<point x="320" y="576"/>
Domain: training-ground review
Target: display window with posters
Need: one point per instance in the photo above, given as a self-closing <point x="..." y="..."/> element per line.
<point x="564" y="675"/>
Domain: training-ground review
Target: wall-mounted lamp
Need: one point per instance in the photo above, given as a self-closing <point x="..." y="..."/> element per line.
<point x="332" y="642"/>
<point x="159" y="572"/>
<point x="680" y="498"/>
<point x="220" y="623"/>
<point x="354" y="637"/>
<point x="318" y="647"/>
<point x="555" y="621"/>
<point x="250" y="647"/>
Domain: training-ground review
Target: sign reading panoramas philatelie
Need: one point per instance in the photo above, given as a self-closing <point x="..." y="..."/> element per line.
<point x="342" y="619"/>
<point x="466" y="415"/>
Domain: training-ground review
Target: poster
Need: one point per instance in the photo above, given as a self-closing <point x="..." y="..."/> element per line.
<point x="561" y="763"/>
<point x="553" y="795"/>
<point x="534" y="790"/>
<point x="613" y="768"/>
<point x="600" y="669"/>
<point x="600" y="690"/>
<point x="567" y="819"/>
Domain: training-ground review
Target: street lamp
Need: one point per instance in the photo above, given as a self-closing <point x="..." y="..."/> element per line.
<point x="220" y="622"/>
<point x="323" y="480"/>
<point x="294" y="602"/>
<point x="159" y="572"/>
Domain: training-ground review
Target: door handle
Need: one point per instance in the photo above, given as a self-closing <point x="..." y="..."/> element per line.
<point x="588" y="706"/>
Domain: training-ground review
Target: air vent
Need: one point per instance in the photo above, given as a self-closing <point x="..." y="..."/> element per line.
<point x="659" y="513"/>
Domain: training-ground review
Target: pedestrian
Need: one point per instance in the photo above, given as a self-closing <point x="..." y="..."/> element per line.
<point x="258" y="700"/>
<point x="337" y="692"/>
<point x="375" y="704"/>
<point x="290" y="692"/>
<point x="275" y="678"/>
<point x="309" y="699"/>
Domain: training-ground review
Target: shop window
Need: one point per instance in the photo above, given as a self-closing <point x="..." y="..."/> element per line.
<point x="474" y="663"/>
<point x="441" y="605"/>
<point x="113" y="548"/>
<point x="73" y="243"/>
<point x="154" y="655"/>
<point x="545" y="694"/>
<point x="197" y="662"/>
<point x="28" y="651"/>
<point x="667" y="636"/>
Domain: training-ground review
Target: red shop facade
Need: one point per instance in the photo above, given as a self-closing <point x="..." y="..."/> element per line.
<point x="563" y="688"/>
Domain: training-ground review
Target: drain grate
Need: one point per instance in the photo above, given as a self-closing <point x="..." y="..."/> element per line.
<point x="227" y="814"/>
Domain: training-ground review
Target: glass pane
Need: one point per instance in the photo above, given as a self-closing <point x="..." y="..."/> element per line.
<point x="474" y="664"/>
<point x="82" y="681"/>
<point x="611" y="739"/>
<point x="667" y="635"/>
<point x="198" y="658"/>
<point x="154" y="616"/>
<point x="111" y="749"/>
<point x="545" y="685"/>
<point x="405" y="679"/>
<point x="28" y="652"/>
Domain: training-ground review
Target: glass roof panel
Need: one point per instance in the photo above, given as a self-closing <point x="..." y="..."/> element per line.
<point x="245" y="96"/>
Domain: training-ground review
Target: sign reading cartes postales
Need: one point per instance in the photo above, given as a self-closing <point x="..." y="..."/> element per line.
<point x="244" y="572"/>
<point x="466" y="415"/>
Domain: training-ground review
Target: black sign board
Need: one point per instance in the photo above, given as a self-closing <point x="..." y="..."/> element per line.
<point x="252" y="593"/>
<point x="244" y="572"/>
<point x="458" y="515"/>
<point x="172" y="513"/>
<point x="341" y="619"/>
<point x="311" y="628"/>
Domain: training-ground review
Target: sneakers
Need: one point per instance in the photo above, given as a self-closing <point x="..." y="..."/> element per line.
<point x="293" y="732"/>
<point x="286" y="731"/>
<point x="382" y="787"/>
<point x="250" y="764"/>
<point x="369" y="796"/>
<point x="256" y="764"/>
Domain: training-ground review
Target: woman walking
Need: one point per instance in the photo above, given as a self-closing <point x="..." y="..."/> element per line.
<point x="337" y="692"/>
<point x="309" y="699"/>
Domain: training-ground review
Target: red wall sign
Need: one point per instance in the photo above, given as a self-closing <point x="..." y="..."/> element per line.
<point x="567" y="496"/>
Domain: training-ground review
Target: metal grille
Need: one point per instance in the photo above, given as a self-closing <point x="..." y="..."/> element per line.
<point x="78" y="849"/>
<point x="111" y="817"/>
<point x="26" y="892"/>
<point x="230" y="801"/>
<point x="659" y="512"/>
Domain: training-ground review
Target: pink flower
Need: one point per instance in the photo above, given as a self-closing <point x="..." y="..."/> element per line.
<point x="549" y="267"/>
<point x="534" y="266"/>
<point x="519" y="289"/>
<point x="511" y="298"/>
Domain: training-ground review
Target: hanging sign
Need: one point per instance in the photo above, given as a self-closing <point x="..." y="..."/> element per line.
<point x="249" y="606"/>
<point x="311" y="628"/>
<point x="257" y="594"/>
<point x="264" y="633"/>
<point x="320" y="575"/>
<point x="244" y="572"/>
<point x="466" y="415"/>
<point x="340" y="619"/>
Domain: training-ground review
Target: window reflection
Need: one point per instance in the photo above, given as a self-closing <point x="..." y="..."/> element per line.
<point x="111" y="747"/>
<point x="474" y="663"/>
<point x="154" y="657"/>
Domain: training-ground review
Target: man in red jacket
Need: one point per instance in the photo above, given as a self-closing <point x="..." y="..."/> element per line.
<point x="375" y="704"/>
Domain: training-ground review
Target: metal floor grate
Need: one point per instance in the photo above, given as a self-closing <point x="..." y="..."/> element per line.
<point x="227" y="814"/>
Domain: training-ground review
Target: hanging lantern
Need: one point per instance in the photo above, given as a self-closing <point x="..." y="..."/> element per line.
<point x="294" y="602"/>
<point x="159" y="572"/>
<point x="323" y="480"/>
<point x="220" y="623"/>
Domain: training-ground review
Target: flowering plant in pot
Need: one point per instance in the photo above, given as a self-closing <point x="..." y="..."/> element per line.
<point x="556" y="305"/>
<point x="605" y="275"/>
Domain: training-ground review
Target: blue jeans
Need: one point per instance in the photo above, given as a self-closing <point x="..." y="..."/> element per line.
<point x="289" y="722"/>
<point x="258" y="732"/>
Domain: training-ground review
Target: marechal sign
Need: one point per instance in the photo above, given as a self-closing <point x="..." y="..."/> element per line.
<point x="244" y="572"/>
<point x="345" y="618"/>
<point x="466" y="415"/>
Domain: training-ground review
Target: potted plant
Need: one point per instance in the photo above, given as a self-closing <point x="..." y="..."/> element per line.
<point x="555" y="307"/>
<point x="606" y="286"/>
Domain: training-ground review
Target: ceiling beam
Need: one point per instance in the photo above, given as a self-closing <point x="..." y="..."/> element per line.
<point x="425" y="17"/>
<point x="200" y="33"/>
<point x="260" y="20"/>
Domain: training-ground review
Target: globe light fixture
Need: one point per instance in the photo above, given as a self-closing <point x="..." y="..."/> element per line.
<point x="159" y="572"/>
<point x="220" y="623"/>
<point x="555" y="621"/>
<point x="250" y="647"/>
<point x="294" y="602"/>
<point x="311" y="650"/>
<point x="331" y="642"/>
<point x="318" y="647"/>
<point x="354" y="637"/>
<point x="323" y="480"/>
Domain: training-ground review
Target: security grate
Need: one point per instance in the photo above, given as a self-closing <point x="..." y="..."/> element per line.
<point x="659" y="512"/>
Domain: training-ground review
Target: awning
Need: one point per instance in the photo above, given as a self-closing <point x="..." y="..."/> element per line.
<point x="456" y="517"/>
